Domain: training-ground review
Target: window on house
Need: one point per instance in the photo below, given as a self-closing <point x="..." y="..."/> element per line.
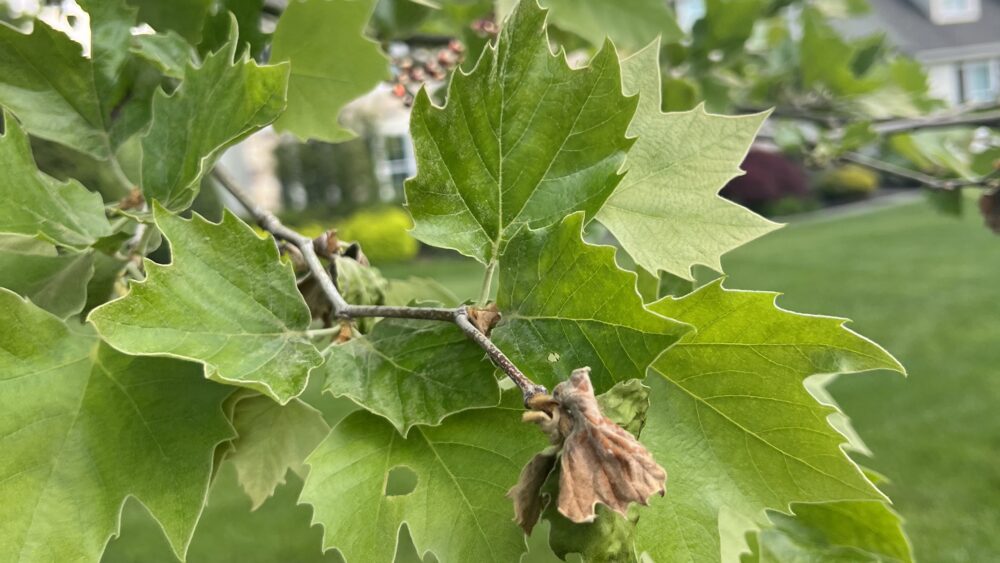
<point x="399" y="165"/>
<point x="955" y="11"/>
<point x="688" y="12"/>
<point x="980" y="82"/>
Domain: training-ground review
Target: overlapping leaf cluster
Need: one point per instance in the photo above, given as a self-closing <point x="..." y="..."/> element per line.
<point x="207" y="359"/>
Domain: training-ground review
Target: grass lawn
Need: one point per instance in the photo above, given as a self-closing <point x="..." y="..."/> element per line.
<point x="925" y="286"/>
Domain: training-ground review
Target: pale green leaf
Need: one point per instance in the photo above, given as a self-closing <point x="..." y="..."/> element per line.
<point x="566" y="304"/>
<point x="54" y="282"/>
<point x="217" y="105"/>
<point x="225" y="301"/>
<point x="735" y="427"/>
<point x="848" y="531"/>
<point x="412" y="372"/>
<point x="523" y="139"/>
<point x="332" y="62"/>
<point x="46" y="81"/>
<point x="403" y="292"/>
<point x="457" y="509"/>
<point x="667" y="213"/>
<point x="37" y="205"/>
<point x="82" y="427"/>
<point x="631" y="24"/>
<point x="168" y="52"/>
<point x="272" y="439"/>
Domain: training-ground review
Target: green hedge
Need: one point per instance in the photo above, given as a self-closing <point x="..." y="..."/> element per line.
<point x="382" y="234"/>
<point x="849" y="181"/>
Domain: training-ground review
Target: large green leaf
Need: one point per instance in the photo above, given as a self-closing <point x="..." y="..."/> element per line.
<point x="457" y="509"/>
<point x="46" y="81"/>
<point x="217" y="105"/>
<point x="225" y="301"/>
<point x="272" y="439"/>
<point x="412" y="372"/>
<point x="848" y="531"/>
<point x="111" y="23"/>
<point x="566" y="304"/>
<point x="667" y="212"/>
<point x="38" y="205"/>
<point x="82" y="427"/>
<point x="523" y="139"/>
<point x="332" y="63"/>
<point x="54" y="282"/>
<point x="735" y="427"/>
<point x="186" y="17"/>
<point x="631" y="24"/>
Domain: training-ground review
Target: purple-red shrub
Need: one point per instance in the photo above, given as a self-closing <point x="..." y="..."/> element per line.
<point x="769" y="177"/>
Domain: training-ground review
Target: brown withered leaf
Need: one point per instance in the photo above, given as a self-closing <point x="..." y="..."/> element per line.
<point x="527" y="493"/>
<point x="600" y="461"/>
<point x="485" y="318"/>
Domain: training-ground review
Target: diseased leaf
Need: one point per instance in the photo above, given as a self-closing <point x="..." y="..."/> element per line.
<point x="734" y="425"/>
<point x="54" y="282"/>
<point x="46" y="81"/>
<point x="217" y="105"/>
<point x="37" y="205"/>
<point x="566" y="304"/>
<point x="412" y="372"/>
<point x="457" y="509"/>
<point x="82" y="427"/>
<point x="631" y="24"/>
<point x="272" y="439"/>
<point x="523" y="139"/>
<point x="225" y="300"/>
<point x="667" y="213"/>
<point x="849" y="531"/>
<point x="332" y="62"/>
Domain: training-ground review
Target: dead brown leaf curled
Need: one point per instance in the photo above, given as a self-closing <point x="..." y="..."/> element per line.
<point x="484" y="318"/>
<point x="600" y="461"/>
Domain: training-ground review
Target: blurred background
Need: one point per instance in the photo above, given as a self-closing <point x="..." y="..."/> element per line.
<point x="917" y="270"/>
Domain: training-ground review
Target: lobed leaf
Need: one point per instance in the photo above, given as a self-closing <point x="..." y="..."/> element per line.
<point x="565" y="304"/>
<point x="54" y="282"/>
<point x="667" y="213"/>
<point x="332" y="62"/>
<point x="412" y="372"/>
<point x="734" y="425"/>
<point x="225" y="301"/>
<point x="40" y="206"/>
<point x="523" y="139"/>
<point x="83" y="427"/>
<point x="217" y="105"/>
<point x="457" y="508"/>
<point x="631" y="24"/>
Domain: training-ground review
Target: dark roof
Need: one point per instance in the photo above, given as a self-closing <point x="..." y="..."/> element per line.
<point x="910" y="29"/>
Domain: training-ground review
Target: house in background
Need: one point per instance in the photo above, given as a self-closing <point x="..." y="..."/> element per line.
<point x="958" y="42"/>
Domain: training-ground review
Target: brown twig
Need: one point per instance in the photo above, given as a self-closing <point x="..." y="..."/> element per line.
<point x="346" y="311"/>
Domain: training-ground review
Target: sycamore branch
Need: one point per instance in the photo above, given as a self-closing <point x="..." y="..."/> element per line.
<point x="346" y="311"/>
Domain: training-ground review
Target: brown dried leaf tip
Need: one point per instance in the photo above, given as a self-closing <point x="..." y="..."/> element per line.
<point x="600" y="461"/>
<point x="485" y="318"/>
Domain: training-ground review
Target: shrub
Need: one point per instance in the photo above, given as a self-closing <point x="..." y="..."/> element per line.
<point x="382" y="234"/>
<point x="770" y="177"/>
<point x="847" y="183"/>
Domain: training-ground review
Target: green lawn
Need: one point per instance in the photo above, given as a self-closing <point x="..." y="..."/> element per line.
<point x="927" y="287"/>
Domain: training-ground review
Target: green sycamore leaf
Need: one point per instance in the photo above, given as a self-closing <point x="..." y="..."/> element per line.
<point x="168" y="52"/>
<point x="457" y="509"/>
<point x="271" y="439"/>
<point x="54" y="282"/>
<point x="523" y="139"/>
<point x="225" y="301"/>
<point x="82" y="427"/>
<point x="412" y="372"/>
<point x="37" y="205"/>
<point x="332" y="62"/>
<point x="217" y="105"/>
<point x="735" y="427"/>
<point x="111" y="23"/>
<point x="631" y="24"/>
<point x="46" y="81"/>
<point x="566" y="304"/>
<point x="667" y="213"/>
<point x="847" y="531"/>
<point x="186" y="17"/>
